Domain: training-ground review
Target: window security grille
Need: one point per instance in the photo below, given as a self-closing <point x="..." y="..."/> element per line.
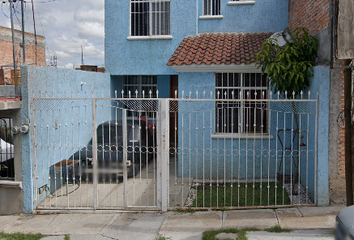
<point x="241" y="116"/>
<point x="150" y="17"/>
<point x="139" y="84"/>
<point x="135" y="86"/>
<point x="211" y="7"/>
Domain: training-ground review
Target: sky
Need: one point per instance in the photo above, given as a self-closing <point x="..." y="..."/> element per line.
<point x="67" y="25"/>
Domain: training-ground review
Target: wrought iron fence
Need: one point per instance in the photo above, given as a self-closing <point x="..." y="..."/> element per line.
<point x="150" y="153"/>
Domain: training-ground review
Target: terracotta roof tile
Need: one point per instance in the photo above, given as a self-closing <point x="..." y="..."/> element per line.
<point x="218" y="48"/>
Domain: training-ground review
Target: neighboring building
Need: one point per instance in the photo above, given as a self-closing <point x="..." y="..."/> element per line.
<point x="6" y="52"/>
<point x="316" y="16"/>
<point x="91" y="68"/>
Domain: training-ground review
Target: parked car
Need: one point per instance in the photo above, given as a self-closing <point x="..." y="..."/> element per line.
<point x="345" y="224"/>
<point x="6" y="159"/>
<point x="140" y="141"/>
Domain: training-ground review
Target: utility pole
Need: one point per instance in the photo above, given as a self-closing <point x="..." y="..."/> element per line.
<point x="13" y="46"/>
<point x="35" y="33"/>
<point x="23" y="34"/>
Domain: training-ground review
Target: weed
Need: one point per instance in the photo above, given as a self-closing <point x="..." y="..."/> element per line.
<point x="20" y="236"/>
<point x="188" y="210"/>
<point x="241" y="234"/>
<point x="67" y="237"/>
<point x="162" y="238"/>
<point x="277" y="229"/>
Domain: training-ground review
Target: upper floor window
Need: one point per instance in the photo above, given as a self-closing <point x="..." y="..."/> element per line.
<point x="211" y="7"/>
<point x="150" y="17"/>
<point x="247" y="110"/>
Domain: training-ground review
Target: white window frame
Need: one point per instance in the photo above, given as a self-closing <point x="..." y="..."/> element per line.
<point x="241" y="2"/>
<point x="151" y="27"/>
<point x="209" y="14"/>
<point x="220" y="90"/>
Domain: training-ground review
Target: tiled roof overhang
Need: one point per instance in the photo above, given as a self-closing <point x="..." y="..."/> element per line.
<point x="218" y="52"/>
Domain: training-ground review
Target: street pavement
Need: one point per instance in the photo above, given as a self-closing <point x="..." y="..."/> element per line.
<point x="307" y="222"/>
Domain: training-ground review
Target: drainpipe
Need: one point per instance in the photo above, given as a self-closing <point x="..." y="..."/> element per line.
<point x="197" y="17"/>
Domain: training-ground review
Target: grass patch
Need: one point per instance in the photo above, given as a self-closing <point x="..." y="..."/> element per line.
<point x="188" y="210"/>
<point x="67" y="237"/>
<point x="277" y="229"/>
<point x="241" y="233"/>
<point x="20" y="236"/>
<point x="245" y="195"/>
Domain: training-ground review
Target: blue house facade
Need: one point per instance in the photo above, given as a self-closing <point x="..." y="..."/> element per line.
<point x="143" y="36"/>
<point x="208" y="47"/>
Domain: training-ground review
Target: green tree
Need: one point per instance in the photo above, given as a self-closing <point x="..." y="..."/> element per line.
<point x="289" y="68"/>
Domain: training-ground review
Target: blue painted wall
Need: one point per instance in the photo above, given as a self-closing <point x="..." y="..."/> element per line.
<point x="40" y="81"/>
<point x="221" y="158"/>
<point x="149" y="57"/>
<point x="321" y="85"/>
<point x="263" y="16"/>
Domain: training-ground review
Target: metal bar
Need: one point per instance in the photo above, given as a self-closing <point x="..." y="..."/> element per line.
<point x="34" y="144"/>
<point x="165" y="156"/>
<point x="190" y="100"/>
<point x="307" y="157"/>
<point x="203" y="159"/>
<point x="316" y="142"/>
<point x="254" y="147"/>
<point x="269" y="152"/>
<point x="196" y="157"/>
<point x="94" y="154"/>
<point x="125" y="156"/>
<point x="211" y="161"/>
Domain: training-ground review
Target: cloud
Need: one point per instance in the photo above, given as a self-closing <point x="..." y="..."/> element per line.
<point x="91" y="30"/>
<point x="67" y="25"/>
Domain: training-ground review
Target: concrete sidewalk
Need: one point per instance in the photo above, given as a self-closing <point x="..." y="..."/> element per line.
<point x="314" y="223"/>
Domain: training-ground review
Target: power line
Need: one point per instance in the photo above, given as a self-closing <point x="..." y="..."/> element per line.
<point x="50" y="1"/>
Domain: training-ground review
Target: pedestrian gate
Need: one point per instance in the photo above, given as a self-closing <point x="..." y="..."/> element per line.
<point x="159" y="154"/>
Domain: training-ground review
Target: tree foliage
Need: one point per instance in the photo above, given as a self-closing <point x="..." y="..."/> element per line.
<point x="289" y="68"/>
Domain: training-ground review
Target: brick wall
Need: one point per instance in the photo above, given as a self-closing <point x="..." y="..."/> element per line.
<point x="6" y="50"/>
<point x="312" y="14"/>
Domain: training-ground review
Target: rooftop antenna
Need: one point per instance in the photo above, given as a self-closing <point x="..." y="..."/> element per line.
<point x="82" y="56"/>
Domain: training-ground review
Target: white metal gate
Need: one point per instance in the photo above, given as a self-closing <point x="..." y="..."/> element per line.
<point x="159" y="154"/>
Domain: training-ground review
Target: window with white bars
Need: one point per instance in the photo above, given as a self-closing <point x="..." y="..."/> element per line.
<point x="211" y="7"/>
<point x="138" y="84"/>
<point x="150" y="17"/>
<point x="241" y="116"/>
<point x="140" y="87"/>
